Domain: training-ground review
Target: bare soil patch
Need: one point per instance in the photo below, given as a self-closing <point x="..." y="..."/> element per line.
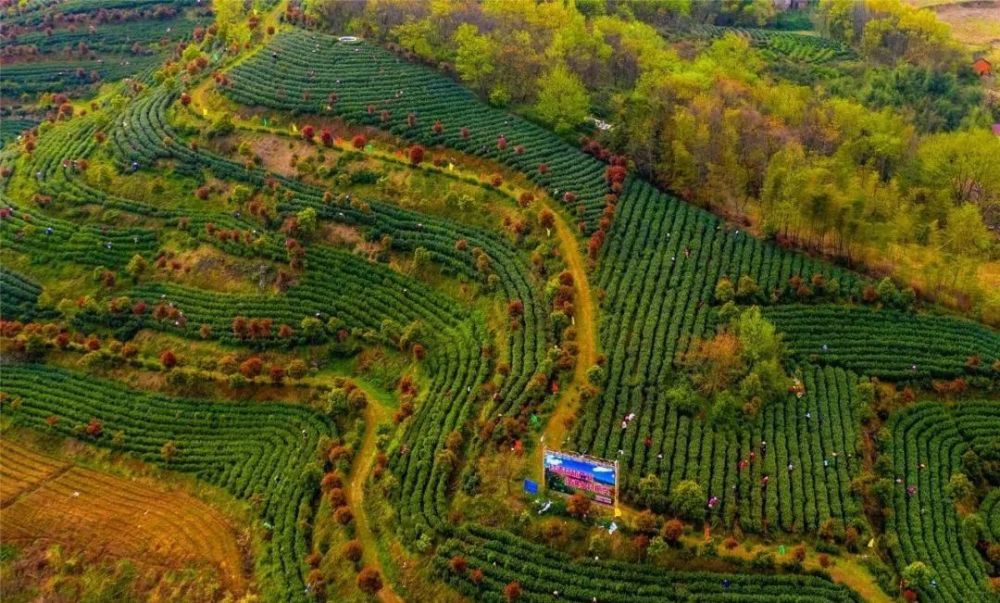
<point x="53" y="501"/>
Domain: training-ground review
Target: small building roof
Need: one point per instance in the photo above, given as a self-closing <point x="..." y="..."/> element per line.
<point x="982" y="67"/>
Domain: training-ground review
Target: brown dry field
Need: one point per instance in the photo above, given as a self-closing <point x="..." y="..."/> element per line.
<point x="45" y="500"/>
<point x="975" y="23"/>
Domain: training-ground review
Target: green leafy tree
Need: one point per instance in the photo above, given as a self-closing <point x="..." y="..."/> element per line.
<point x="652" y="494"/>
<point x="421" y="258"/>
<point x="965" y="233"/>
<point x="563" y="101"/>
<point x="230" y="16"/>
<point x="473" y="56"/>
<point x="974" y="527"/>
<point x="758" y="336"/>
<point x="137" y="266"/>
<point x="307" y="220"/>
<point x="725" y="410"/>
<point x="657" y="546"/>
<point x="683" y="398"/>
<point x="312" y="328"/>
<point x="887" y="291"/>
<point x="959" y="488"/>
<point x="656" y="10"/>
<point x="724" y="290"/>
<point x="687" y="499"/>
<point x="595" y="375"/>
<point x="918" y="574"/>
<point x="964" y="165"/>
<point x="733" y="56"/>
<point x="419" y="36"/>
<point x="747" y="287"/>
<point x="837" y="19"/>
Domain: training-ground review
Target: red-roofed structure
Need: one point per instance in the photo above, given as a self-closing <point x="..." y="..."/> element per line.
<point x="982" y="67"/>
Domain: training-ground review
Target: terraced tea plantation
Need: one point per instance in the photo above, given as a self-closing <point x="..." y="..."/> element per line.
<point x="306" y="318"/>
<point x="788" y="46"/>
<point x="368" y="85"/>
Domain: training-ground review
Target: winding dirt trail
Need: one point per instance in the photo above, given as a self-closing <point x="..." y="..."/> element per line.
<point x="568" y="400"/>
<point x="586" y="340"/>
<point x="269" y="18"/>
<point x="360" y="469"/>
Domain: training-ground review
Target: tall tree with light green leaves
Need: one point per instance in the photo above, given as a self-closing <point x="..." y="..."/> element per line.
<point x="473" y="56"/>
<point x="563" y="101"/>
<point x="230" y="17"/>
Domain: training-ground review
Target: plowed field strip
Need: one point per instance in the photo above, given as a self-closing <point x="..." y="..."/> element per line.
<point x="48" y="500"/>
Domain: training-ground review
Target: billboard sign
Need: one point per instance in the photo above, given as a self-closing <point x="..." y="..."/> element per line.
<point x="572" y="473"/>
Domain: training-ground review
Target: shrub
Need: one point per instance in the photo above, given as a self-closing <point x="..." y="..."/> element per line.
<point x="512" y="591"/>
<point x="416" y="154"/>
<point x="251" y="367"/>
<point x="168" y="359"/>
<point x="578" y="505"/>
<point x="343" y="515"/>
<point x="369" y="580"/>
<point x="687" y="499"/>
<point x="352" y="551"/>
<point x="458" y="564"/>
<point x="672" y="531"/>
